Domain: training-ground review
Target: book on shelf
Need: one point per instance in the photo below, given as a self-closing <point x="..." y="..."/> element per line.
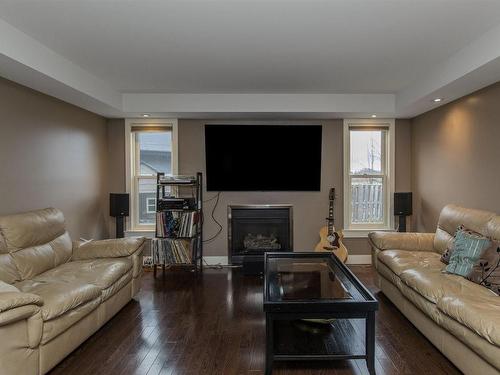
<point x="177" y="224"/>
<point x="171" y="251"/>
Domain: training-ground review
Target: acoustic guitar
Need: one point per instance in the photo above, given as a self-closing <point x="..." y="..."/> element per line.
<point x="330" y="239"/>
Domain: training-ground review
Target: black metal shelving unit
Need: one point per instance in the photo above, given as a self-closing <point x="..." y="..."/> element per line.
<point x="181" y="189"/>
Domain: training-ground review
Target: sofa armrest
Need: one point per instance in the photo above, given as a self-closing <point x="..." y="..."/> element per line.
<point x="15" y="306"/>
<point x="113" y="248"/>
<point x="401" y="241"/>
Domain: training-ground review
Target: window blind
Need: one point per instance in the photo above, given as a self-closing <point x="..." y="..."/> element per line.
<point x="150" y="128"/>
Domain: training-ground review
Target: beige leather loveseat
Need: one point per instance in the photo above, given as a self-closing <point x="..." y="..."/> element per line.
<point x="54" y="293"/>
<point x="461" y="318"/>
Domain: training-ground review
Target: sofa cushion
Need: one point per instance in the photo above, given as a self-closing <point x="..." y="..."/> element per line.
<point x="35" y="260"/>
<point x="433" y="284"/>
<point x="8" y="270"/>
<point x="31" y="228"/>
<point x="479" y="312"/>
<point x="10" y="300"/>
<point x="401" y="260"/>
<point x="116" y="287"/>
<point x="36" y="241"/>
<point x="486" y="270"/>
<point x="452" y="216"/>
<point x="467" y="249"/>
<point x="99" y="272"/>
<point x="445" y="257"/>
<point x="58" y="296"/>
<point x="55" y="327"/>
<point x="485" y="349"/>
<point x="386" y="272"/>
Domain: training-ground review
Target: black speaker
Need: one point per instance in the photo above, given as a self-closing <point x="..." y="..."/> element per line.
<point x="118" y="204"/>
<point x="402" y="204"/>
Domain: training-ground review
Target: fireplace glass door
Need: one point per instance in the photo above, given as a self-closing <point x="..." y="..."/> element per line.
<point x="255" y="230"/>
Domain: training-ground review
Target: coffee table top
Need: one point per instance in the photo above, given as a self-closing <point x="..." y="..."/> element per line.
<point x="311" y="281"/>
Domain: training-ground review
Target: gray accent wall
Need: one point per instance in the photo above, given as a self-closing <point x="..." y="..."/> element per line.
<point x="53" y="154"/>
<point x="456" y="156"/>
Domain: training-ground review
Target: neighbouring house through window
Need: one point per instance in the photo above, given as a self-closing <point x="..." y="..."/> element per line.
<point x="150" y="205"/>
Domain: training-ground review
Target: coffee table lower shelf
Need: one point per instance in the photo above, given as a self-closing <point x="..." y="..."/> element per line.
<point x="297" y="340"/>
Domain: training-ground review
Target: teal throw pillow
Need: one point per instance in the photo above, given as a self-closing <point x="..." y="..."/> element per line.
<point x="468" y="248"/>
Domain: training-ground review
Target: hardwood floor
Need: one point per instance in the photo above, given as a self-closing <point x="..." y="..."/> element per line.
<point x="214" y="325"/>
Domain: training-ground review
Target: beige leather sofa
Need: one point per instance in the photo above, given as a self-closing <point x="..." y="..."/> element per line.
<point x="461" y="318"/>
<point x="54" y="294"/>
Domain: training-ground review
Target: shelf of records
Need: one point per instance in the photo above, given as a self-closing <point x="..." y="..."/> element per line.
<point x="177" y="224"/>
<point x="167" y="251"/>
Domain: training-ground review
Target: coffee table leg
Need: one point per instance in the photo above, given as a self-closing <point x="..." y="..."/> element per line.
<point x="370" y="342"/>
<point x="269" y="345"/>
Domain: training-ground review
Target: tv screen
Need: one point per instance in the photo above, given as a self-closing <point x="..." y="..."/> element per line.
<point x="263" y="157"/>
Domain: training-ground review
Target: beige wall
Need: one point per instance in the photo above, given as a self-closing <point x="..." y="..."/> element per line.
<point x="55" y="154"/>
<point x="456" y="156"/>
<point x="52" y="154"/>
<point x="403" y="161"/>
<point x="403" y="155"/>
<point x="310" y="208"/>
<point x="115" y="163"/>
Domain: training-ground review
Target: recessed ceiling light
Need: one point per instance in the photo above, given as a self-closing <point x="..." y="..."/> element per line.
<point x="437" y="100"/>
<point x="145" y="115"/>
<point x="373" y="116"/>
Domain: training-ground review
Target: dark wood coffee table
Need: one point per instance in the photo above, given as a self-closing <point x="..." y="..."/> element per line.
<point x="307" y="285"/>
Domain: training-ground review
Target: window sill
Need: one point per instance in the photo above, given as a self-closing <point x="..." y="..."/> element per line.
<point x="363" y="233"/>
<point x="148" y="233"/>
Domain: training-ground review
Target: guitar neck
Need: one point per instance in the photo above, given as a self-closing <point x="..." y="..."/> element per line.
<point x="331" y="218"/>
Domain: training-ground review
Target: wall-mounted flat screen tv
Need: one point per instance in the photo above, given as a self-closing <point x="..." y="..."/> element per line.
<point x="263" y="157"/>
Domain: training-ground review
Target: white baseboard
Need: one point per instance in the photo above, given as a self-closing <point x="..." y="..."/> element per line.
<point x="359" y="259"/>
<point x="351" y="259"/>
<point x="215" y="260"/>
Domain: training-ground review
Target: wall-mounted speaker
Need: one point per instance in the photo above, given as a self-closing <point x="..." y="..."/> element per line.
<point x="118" y="204"/>
<point x="402" y="204"/>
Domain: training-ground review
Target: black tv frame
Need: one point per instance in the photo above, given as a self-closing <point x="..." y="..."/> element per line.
<point x="317" y="183"/>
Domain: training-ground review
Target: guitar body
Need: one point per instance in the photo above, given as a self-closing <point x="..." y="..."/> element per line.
<point x="330" y="239"/>
<point x="324" y="245"/>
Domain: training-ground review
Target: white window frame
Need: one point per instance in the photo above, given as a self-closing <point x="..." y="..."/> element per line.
<point x="362" y="230"/>
<point x="132" y="226"/>
<point x="148" y="211"/>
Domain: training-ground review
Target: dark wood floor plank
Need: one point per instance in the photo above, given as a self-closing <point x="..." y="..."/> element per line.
<point x="214" y="325"/>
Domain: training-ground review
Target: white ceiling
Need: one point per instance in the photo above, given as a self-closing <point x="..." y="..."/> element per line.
<point x="255" y="47"/>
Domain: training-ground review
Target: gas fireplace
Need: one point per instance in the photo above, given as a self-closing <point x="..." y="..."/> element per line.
<point x="255" y="229"/>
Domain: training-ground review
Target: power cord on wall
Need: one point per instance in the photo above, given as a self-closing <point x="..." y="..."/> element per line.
<point x="217" y="266"/>
<point x="212" y="215"/>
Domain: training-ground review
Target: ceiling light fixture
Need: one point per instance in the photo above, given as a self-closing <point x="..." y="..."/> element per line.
<point x="373" y="116"/>
<point x="145" y="115"/>
<point x="437" y="100"/>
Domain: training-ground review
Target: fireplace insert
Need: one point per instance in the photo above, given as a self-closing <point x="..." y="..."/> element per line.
<point x="256" y="229"/>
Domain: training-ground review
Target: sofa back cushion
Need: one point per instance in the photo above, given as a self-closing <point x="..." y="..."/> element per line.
<point x="452" y="217"/>
<point x="494" y="228"/>
<point x="33" y="242"/>
<point x="8" y="270"/>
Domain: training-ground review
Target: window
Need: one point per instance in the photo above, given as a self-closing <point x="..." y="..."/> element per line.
<point x="150" y="150"/>
<point x="150" y="205"/>
<point x="368" y="175"/>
